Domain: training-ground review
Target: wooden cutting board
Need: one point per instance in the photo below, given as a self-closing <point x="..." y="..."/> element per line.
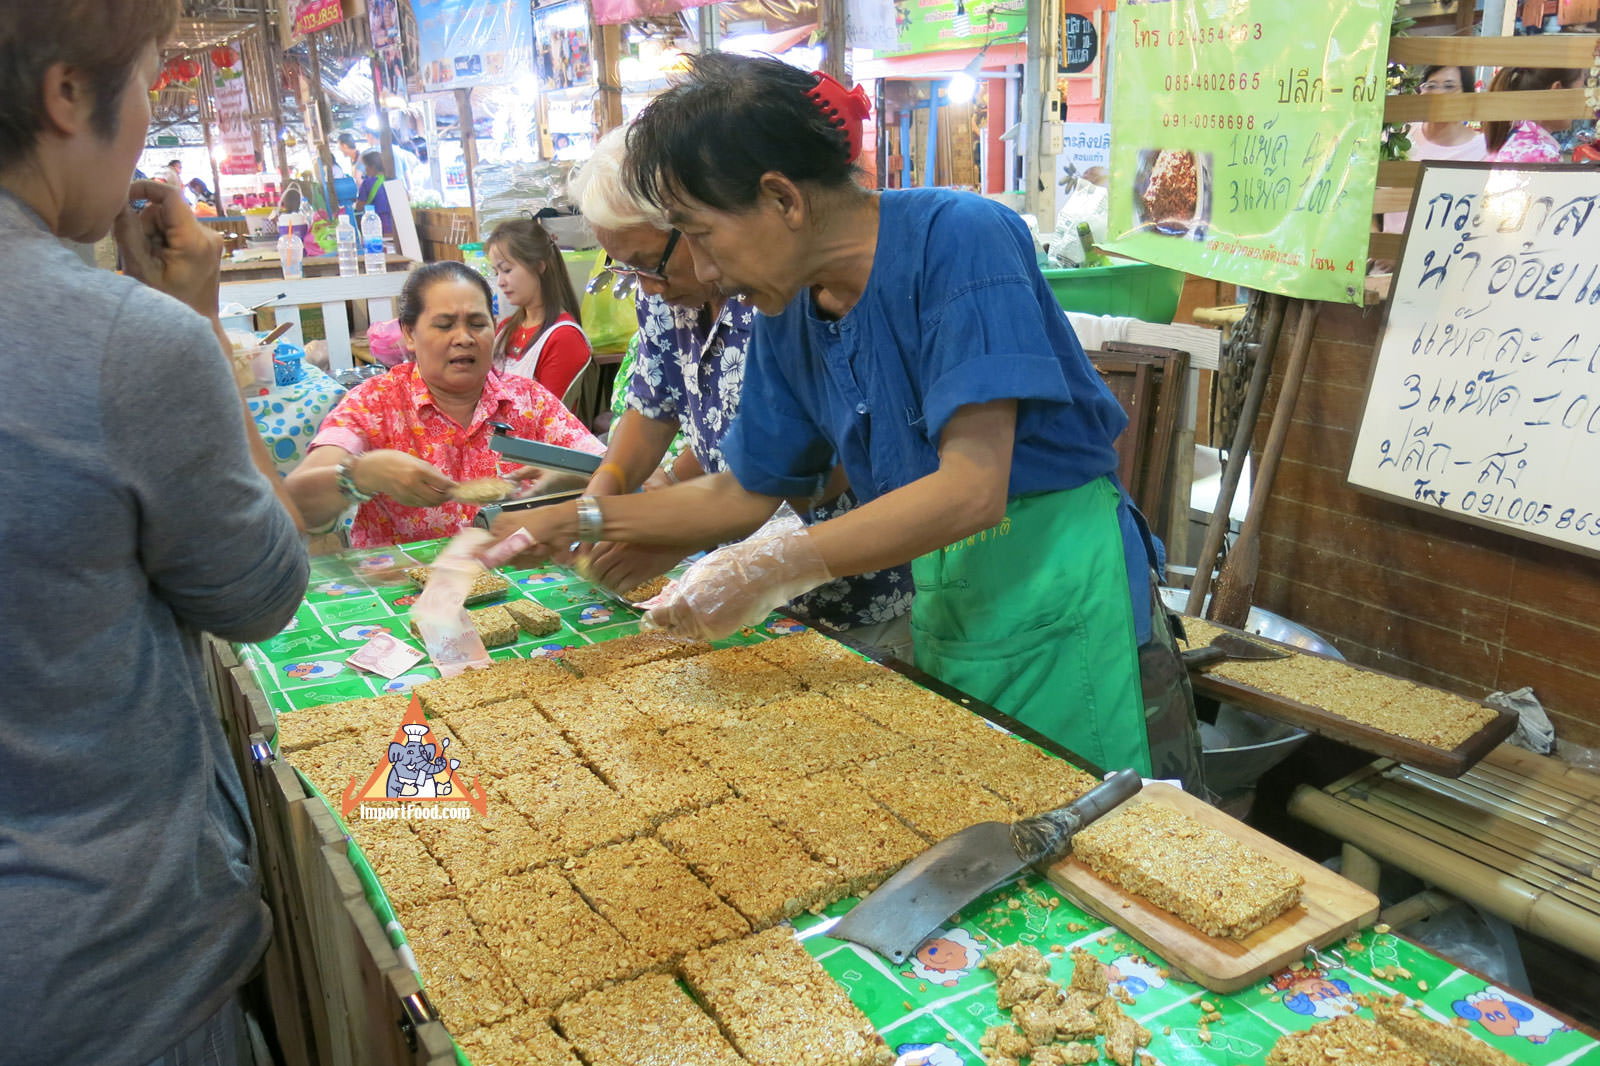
<point x="1330" y="907"/>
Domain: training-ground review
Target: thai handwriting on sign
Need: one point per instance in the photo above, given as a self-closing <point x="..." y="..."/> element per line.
<point x="1485" y="398"/>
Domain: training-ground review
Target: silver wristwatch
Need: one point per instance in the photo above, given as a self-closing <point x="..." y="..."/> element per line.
<point x="591" y="523"/>
<point x="344" y="477"/>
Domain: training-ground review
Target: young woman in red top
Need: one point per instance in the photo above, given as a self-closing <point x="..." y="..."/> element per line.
<point x="542" y="338"/>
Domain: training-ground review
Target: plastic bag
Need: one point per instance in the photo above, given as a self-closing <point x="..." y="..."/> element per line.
<point x="386" y="342"/>
<point x="1534" y="730"/>
<point x="1086" y="203"/>
<point x="440" y="613"/>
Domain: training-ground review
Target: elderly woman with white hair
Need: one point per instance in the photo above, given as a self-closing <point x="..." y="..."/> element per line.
<point x="688" y="377"/>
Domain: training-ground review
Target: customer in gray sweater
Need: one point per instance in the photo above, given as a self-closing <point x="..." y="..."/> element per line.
<point x="137" y="513"/>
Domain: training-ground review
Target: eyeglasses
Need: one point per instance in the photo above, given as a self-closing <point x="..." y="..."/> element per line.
<point x="628" y="276"/>
<point x="1439" y="87"/>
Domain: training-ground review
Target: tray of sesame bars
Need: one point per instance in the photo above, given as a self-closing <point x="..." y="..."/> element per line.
<point x="1216" y="899"/>
<point x="1390" y="716"/>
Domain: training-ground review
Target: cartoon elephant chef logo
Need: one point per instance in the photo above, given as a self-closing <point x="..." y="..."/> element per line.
<point x="416" y="768"/>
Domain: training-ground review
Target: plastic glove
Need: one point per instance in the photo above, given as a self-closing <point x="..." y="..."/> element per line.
<point x="740" y="584"/>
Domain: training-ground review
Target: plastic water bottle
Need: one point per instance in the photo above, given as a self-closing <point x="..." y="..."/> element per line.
<point x="349" y="250"/>
<point x="372" y="242"/>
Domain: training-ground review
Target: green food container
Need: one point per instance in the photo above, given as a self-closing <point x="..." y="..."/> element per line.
<point x="1137" y="290"/>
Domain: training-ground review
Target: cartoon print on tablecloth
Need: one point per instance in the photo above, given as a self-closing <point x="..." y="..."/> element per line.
<point x="784" y="627"/>
<point x="540" y="579"/>
<point x="406" y="600"/>
<point x="1134" y="975"/>
<point x="339" y="588"/>
<point x="594" y="614"/>
<point x="362" y="632"/>
<point x="547" y="651"/>
<point x="927" y="1055"/>
<point x="317" y="668"/>
<point x="945" y="957"/>
<point x="406" y="682"/>
<point x="1313" y="993"/>
<point x="1505" y="1015"/>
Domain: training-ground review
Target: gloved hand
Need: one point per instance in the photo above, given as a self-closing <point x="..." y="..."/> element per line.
<point x="740" y="584"/>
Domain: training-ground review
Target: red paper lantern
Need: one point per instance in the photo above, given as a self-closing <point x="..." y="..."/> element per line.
<point x="182" y="69"/>
<point x="161" y="82"/>
<point x="225" y="56"/>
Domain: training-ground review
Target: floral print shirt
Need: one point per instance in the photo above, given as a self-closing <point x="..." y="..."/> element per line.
<point x="397" y="411"/>
<point x="691" y="371"/>
<point x="1529" y="142"/>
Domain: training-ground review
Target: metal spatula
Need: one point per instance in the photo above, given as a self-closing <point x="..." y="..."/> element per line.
<point x="907" y="907"/>
<point x="1228" y="646"/>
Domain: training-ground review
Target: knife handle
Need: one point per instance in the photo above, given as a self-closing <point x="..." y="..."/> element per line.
<point x="1202" y="657"/>
<point x="1048" y="836"/>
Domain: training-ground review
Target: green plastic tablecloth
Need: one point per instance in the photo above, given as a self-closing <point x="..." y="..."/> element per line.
<point x="933" y="1010"/>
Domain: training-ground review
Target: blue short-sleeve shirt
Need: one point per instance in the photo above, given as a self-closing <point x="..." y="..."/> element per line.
<point x="690" y="370"/>
<point x="955" y="312"/>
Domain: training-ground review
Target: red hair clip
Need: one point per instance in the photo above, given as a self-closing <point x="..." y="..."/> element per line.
<point x="845" y="108"/>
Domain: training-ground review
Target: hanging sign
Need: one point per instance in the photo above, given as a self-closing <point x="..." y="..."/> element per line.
<point x="1080" y="45"/>
<point x="463" y="43"/>
<point x="565" y="58"/>
<point x="388" y="49"/>
<point x="1247" y="140"/>
<point x="1484" y="402"/>
<point x="940" y="25"/>
<point x="309" y="16"/>
<point x="232" y="99"/>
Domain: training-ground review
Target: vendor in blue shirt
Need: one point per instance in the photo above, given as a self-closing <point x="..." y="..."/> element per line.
<point x="910" y="337"/>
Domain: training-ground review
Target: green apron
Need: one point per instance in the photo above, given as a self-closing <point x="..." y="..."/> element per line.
<point x="1033" y="617"/>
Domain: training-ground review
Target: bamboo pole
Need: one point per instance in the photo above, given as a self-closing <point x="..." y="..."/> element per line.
<point x="1500" y="894"/>
<point x="1238" y="448"/>
<point x="1237" y="583"/>
<point x="1424" y="904"/>
<point x="1357" y="866"/>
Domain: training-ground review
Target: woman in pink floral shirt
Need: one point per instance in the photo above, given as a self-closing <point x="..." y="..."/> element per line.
<point x="398" y="444"/>
<point x="1527" y="142"/>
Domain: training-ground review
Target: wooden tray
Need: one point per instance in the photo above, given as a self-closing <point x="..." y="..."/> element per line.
<point x="1330" y="907"/>
<point x="1452" y="762"/>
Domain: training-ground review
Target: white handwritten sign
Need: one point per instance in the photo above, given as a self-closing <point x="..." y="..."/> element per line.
<point x="1484" y="401"/>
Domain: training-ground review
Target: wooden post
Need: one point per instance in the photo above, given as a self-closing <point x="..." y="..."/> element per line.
<point x="469" y="147"/>
<point x="385" y="134"/>
<point x="608" y="76"/>
<point x="275" y="64"/>
<point x="317" y="123"/>
<point x="211" y="157"/>
<point x="834" y="32"/>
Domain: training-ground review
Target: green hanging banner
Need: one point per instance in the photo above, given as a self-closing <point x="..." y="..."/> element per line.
<point x="941" y="25"/>
<point x="1245" y="143"/>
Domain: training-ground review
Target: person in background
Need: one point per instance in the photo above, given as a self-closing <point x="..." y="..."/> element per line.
<point x="172" y="173"/>
<point x="397" y="444"/>
<point x="542" y="338"/>
<point x="1526" y="141"/>
<point x="371" y="193"/>
<point x="143" y="514"/>
<point x="346" y="143"/>
<point x="202" y="194"/>
<point x="1440" y="140"/>
<point x="688" y="378"/>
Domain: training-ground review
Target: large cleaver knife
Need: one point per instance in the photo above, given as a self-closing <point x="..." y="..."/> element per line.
<point x="905" y="909"/>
